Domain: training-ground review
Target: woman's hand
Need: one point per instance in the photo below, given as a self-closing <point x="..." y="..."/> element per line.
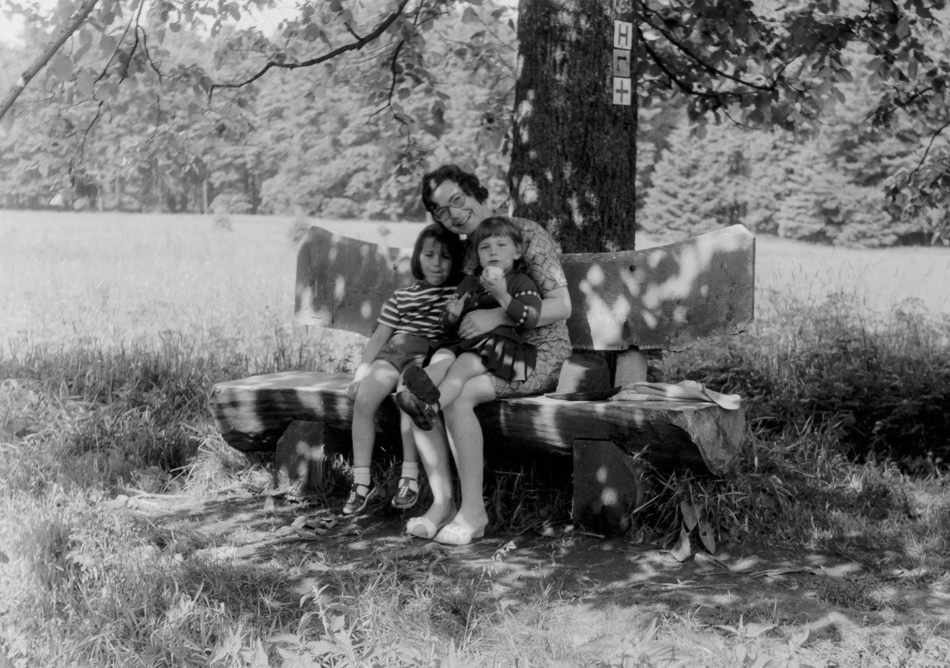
<point x="361" y="372"/>
<point x="482" y="321"/>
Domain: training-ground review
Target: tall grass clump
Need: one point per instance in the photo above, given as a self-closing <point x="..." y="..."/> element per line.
<point x="880" y="382"/>
<point x="95" y="412"/>
<point x="849" y="435"/>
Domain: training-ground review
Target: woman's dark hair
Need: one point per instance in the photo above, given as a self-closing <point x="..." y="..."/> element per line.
<point x="468" y="182"/>
<point x="451" y="242"/>
<point x="500" y="226"/>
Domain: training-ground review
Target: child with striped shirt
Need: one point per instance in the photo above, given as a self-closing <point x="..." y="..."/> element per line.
<point x="409" y="330"/>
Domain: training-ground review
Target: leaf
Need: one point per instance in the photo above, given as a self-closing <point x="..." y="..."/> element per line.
<point x="683" y="548"/>
<point x="707" y="537"/>
<point x="689" y="514"/>
<point x="85" y="82"/>
<point x="62" y="67"/>
<point x="470" y="16"/>
<point x="450" y="660"/>
<point x="269" y="505"/>
<point x="107" y="45"/>
<point x="6" y="124"/>
<point x="754" y="629"/>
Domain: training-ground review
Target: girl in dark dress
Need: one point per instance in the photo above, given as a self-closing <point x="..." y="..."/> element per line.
<point x="498" y="282"/>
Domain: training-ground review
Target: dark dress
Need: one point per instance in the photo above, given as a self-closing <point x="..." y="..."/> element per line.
<point x="503" y="351"/>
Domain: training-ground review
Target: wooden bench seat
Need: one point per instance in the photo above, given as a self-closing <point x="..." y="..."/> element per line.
<point x="624" y="303"/>
<point x="253" y="413"/>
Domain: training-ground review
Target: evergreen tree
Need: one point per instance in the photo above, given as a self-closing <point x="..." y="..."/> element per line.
<point x="698" y="184"/>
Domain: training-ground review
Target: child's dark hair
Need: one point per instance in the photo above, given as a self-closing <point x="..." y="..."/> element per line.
<point x="451" y="242"/>
<point x="500" y="226"/>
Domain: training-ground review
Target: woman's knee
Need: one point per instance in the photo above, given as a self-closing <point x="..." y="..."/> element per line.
<point x="476" y="391"/>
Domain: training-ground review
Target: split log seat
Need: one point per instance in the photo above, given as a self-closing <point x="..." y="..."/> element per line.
<point x="624" y="304"/>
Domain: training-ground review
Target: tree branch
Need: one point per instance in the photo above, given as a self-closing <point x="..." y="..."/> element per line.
<point x="352" y="46"/>
<point x="684" y="86"/>
<point x="65" y="33"/>
<point x="933" y="138"/>
<point x="685" y="50"/>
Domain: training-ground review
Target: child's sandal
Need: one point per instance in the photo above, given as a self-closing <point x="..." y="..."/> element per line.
<point x="418" y="382"/>
<point x="407" y="493"/>
<point x="360" y="496"/>
<point x="422" y="414"/>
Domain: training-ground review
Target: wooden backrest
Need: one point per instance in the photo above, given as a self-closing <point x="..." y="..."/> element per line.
<point x="658" y="298"/>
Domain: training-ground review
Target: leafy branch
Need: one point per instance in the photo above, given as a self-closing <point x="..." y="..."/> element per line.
<point x="352" y="46"/>
<point x="701" y="62"/>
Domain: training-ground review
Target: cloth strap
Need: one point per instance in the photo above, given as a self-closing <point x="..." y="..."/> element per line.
<point x="685" y="390"/>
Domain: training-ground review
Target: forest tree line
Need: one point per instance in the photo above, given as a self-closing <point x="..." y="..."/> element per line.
<point x="343" y="140"/>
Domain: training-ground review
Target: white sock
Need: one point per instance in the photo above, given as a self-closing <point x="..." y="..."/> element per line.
<point x="361" y="475"/>
<point x="410" y="470"/>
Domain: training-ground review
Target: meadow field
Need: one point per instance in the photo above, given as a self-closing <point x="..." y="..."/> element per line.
<point x="118" y="276"/>
<point x="114" y="326"/>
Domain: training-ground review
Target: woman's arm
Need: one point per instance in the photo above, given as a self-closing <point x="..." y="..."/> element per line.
<point x="555" y="306"/>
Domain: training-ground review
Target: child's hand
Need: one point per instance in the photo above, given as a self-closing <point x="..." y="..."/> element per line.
<point x="493" y="280"/>
<point x="361" y="372"/>
<point x="456" y="305"/>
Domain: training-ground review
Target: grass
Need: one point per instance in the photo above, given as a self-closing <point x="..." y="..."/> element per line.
<point x="113" y="328"/>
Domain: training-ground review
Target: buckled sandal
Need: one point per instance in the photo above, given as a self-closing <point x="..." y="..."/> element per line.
<point x="406" y="496"/>
<point x="360" y="496"/>
<point x="421" y="413"/>
<point x="418" y="382"/>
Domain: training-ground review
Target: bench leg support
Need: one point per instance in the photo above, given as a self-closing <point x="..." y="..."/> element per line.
<point x="608" y="486"/>
<point x="301" y="457"/>
<point x="631" y="368"/>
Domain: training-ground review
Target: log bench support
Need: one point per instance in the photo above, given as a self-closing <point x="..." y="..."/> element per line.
<point x="626" y="303"/>
<point x="609" y="486"/>
<point x="301" y="459"/>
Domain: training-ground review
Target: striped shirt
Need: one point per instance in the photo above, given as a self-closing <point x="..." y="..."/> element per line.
<point x="417" y="309"/>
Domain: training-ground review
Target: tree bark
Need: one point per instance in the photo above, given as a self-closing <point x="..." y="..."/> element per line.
<point x="574" y="152"/>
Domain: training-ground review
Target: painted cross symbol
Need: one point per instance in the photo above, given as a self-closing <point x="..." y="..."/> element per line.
<point x="623" y="93"/>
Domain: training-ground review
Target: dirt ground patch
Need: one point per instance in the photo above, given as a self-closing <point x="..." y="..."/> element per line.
<point x="817" y="591"/>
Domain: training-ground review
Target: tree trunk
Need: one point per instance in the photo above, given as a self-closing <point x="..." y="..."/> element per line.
<point x="574" y="152"/>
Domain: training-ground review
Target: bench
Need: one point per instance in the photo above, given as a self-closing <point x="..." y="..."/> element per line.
<point x="625" y="304"/>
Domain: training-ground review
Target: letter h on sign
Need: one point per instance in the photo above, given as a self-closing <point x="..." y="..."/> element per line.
<point x="623" y="35"/>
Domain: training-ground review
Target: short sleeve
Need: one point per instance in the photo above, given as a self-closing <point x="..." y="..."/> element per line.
<point x="542" y="257"/>
<point x="389" y="315"/>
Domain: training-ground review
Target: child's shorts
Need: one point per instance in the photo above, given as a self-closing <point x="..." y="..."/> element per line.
<point x="403" y="350"/>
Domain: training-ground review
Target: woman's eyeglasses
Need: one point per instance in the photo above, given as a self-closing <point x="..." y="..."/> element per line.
<point x="442" y="214"/>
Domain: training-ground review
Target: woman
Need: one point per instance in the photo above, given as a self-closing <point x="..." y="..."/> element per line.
<point x="458" y="201"/>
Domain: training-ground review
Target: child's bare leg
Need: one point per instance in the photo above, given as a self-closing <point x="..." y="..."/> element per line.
<point x="465" y="367"/>
<point x="439" y="365"/>
<point x="407" y="490"/>
<point x="379" y="382"/>
<point x="409" y="452"/>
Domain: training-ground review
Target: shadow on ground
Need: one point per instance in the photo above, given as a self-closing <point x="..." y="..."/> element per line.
<point x="754" y="582"/>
